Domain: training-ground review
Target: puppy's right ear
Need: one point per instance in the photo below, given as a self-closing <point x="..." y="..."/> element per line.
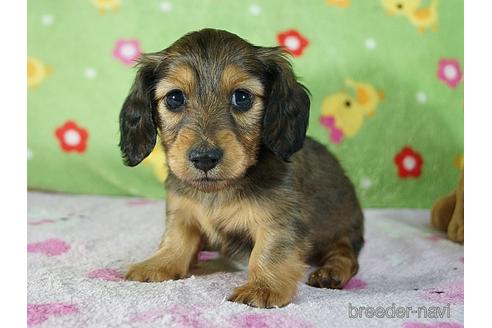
<point x="138" y="129"/>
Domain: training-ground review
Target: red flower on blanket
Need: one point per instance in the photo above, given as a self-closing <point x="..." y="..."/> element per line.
<point x="449" y="71"/>
<point x="127" y="51"/>
<point x="409" y="163"/>
<point x="72" y="137"/>
<point x="293" y="41"/>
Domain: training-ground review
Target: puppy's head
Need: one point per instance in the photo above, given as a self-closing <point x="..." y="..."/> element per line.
<point x="215" y="99"/>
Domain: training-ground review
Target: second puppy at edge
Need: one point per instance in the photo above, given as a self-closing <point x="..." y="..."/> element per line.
<point x="243" y="177"/>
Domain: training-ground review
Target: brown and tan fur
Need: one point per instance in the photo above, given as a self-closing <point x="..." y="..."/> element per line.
<point x="274" y="196"/>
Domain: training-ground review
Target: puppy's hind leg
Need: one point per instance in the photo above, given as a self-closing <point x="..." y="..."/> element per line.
<point x="337" y="266"/>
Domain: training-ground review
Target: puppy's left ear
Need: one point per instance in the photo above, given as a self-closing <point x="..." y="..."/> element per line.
<point x="138" y="129"/>
<point x="286" y="115"/>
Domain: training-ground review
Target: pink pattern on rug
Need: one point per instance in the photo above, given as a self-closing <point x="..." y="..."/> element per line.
<point x="336" y="134"/>
<point x="182" y="315"/>
<point x="432" y="325"/>
<point x="434" y="238"/>
<point x="148" y="316"/>
<point x="139" y="202"/>
<point x="105" y="274"/>
<point x="50" y="247"/>
<point x="355" y="284"/>
<point x="44" y="221"/>
<point x="38" y="313"/>
<point x="207" y="256"/>
<point x="269" y="320"/>
<point x="452" y="293"/>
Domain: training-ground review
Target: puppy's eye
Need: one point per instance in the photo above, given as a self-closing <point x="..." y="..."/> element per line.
<point x="175" y="100"/>
<point x="242" y="100"/>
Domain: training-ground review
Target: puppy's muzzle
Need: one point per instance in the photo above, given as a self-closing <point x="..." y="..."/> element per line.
<point x="205" y="159"/>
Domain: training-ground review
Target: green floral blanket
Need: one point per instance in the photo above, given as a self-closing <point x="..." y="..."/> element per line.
<point x="386" y="79"/>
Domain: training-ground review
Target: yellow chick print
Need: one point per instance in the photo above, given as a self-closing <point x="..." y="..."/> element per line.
<point x="422" y="17"/>
<point x="157" y="159"/>
<point x="343" y="115"/>
<point x="459" y="161"/>
<point x="37" y="72"/>
<point x="104" y="6"/>
<point x="338" y="3"/>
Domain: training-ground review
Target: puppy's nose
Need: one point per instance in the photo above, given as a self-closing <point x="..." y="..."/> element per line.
<point x="205" y="159"/>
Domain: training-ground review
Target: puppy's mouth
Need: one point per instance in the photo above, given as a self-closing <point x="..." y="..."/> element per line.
<point x="208" y="180"/>
<point x="208" y="184"/>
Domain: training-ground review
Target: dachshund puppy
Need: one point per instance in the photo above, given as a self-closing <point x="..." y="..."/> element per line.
<point x="243" y="177"/>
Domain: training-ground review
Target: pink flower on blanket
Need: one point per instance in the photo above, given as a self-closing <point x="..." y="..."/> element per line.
<point x="269" y="320"/>
<point x="127" y="51"/>
<point x="355" y="284"/>
<point x="449" y="71"/>
<point x="105" y="274"/>
<point x="452" y="293"/>
<point x="49" y="247"/>
<point x="432" y="325"/>
<point x="38" y="313"/>
<point x="336" y="135"/>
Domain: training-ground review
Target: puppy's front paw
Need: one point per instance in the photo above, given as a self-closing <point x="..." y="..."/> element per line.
<point x="260" y="296"/>
<point x="152" y="271"/>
